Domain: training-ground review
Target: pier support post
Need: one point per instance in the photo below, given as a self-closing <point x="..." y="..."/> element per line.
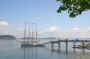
<point x="59" y="46"/>
<point x="74" y="46"/>
<point x="52" y="46"/>
<point x="83" y="43"/>
<point x="66" y="46"/>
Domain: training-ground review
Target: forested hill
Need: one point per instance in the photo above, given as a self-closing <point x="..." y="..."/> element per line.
<point x="7" y="37"/>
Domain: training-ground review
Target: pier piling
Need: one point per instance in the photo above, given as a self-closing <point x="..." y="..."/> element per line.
<point x="66" y="41"/>
<point x="83" y="47"/>
<point x="59" y="46"/>
<point x="74" y="43"/>
<point x="66" y="46"/>
<point x="52" y="46"/>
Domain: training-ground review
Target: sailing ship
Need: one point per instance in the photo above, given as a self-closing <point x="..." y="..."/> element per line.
<point x="33" y="42"/>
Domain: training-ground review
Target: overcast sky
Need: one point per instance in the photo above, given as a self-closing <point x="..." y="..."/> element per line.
<point x="13" y="14"/>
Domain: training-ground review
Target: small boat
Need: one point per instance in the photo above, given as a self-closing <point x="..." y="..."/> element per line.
<point x="87" y="46"/>
<point x="76" y="46"/>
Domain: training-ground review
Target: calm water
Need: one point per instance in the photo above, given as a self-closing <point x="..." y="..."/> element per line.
<point x="10" y="49"/>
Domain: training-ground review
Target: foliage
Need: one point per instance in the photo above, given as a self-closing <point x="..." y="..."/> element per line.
<point x="74" y="7"/>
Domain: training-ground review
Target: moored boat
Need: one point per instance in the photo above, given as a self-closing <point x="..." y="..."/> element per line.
<point x="33" y="42"/>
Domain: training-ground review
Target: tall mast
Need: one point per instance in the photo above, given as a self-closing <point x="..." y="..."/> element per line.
<point x="25" y="31"/>
<point x="32" y="31"/>
<point x="36" y="32"/>
<point x="29" y="30"/>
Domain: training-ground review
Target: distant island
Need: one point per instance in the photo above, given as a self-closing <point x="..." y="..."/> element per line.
<point x="8" y="37"/>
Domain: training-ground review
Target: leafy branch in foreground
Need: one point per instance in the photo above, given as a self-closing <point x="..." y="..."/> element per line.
<point x="73" y="7"/>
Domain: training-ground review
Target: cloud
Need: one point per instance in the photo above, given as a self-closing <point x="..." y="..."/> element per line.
<point x="4" y="24"/>
<point x="53" y="29"/>
<point x="88" y="29"/>
<point x="51" y="32"/>
<point x="20" y="29"/>
<point x="76" y="29"/>
<point x="76" y="32"/>
<point x="6" y="28"/>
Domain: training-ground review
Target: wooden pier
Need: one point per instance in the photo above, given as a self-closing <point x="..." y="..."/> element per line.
<point x="66" y="41"/>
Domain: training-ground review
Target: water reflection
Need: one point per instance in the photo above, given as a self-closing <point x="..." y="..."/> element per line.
<point x="11" y="50"/>
<point x="29" y="52"/>
<point x="44" y="53"/>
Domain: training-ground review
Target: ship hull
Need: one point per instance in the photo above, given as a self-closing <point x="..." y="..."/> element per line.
<point x="31" y="44"/>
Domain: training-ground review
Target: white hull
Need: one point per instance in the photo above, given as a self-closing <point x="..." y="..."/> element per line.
<point x="25" y="43"/>
<point x="31" y="43"/>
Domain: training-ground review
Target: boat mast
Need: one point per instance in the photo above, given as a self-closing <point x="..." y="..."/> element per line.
<point x="29" y="30"/>
<point x="36" y="33"/>
<point x="32" y="32"/>
<point x="25" y="31"/>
